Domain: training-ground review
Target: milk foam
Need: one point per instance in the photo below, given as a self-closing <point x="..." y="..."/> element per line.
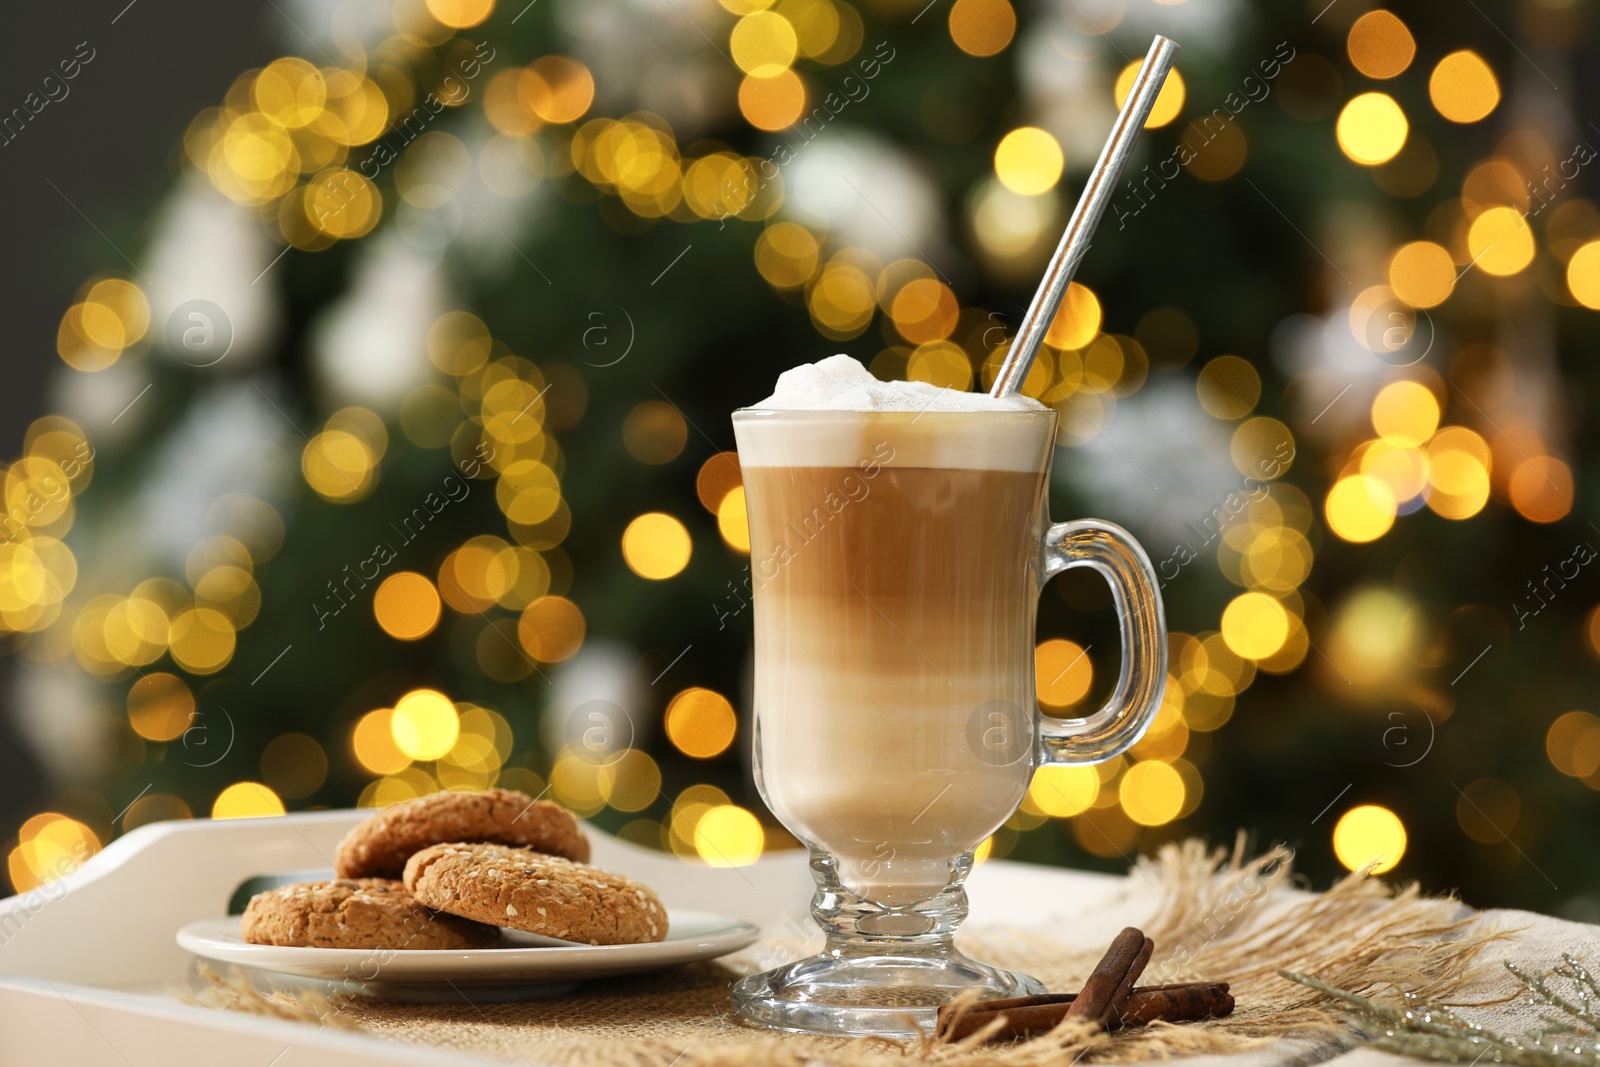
<point x="834" y="413"/>
<point x="840" y="383"/>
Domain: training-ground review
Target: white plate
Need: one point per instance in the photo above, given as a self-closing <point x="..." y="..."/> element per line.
<point x="521" y="959"/>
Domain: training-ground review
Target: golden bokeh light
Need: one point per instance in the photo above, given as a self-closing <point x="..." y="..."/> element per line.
<point x="631" y="782"/>
<point x="459" y="343"/>
<point x="1458" y="473"/>
<point x="940" y="363"/>
<point x="342" y="204"/>
<point x="551" y="629"/>
<point x="733" y="520"/>
<point x="1380" y="45"/>
<point x="424" y="724"/>
<point x="246" y="800"/>
<point x="1062" y="792"/>
<point x="160" y="707"/>
<point x="556" y="89"/>
<point x="1542" y="489"/>
<point x="1500" y="241"/>
<point x="701" y="723"/>
<point x="787" y="255"/>
<point x="841" y="300"/>
<point x="1077" y="322"/>
<point x="338" y="465"/>
<point x="155" y="807"/>
<point x="1152" y="793"/>
<point x="1583" y="275"/>
<point x="1360" y="508"/>
<point x="1463" y="88"/>
<point x="728" y="836"/>
<point x="763" y="44"/>
<point x="656" y="546"/>
<point x="50" y="846"/>
<point x="373" y="745"/>
<point x="1367" y="834"/>
<point x="202" y="640"/>
<point x="1169" y="101"/>
<point x="1422" y="274"/>
<point x="1228" y="387"/>
<point x="406" y="606"/>
<point x="1372" y="129"/>
<point x="1028" y="161"/>
<point x="1406" y="413"/>
<point x="924" y="310"/>
<point x="718" y="476"/>
<point x="460" y="14"/>
<point x="982" y="27"/>
<point x="772" y="103"/>
<point x="1572" y="744"/>
<point x="1255" y="625"/>
<point x="1062" y="673"/>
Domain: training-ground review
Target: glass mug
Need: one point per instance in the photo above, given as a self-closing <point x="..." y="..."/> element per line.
<point x="897" y="560"/>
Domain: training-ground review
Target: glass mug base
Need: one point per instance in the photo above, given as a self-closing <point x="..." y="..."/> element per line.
<point x="869" y="996"/>
<point x="883" y="971"/>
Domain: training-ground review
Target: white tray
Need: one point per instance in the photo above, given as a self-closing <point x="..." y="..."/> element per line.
<point x="90" y="965"/>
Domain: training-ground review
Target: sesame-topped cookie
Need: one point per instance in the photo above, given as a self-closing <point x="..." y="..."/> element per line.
<point x="356" y="913"/>
<point x="541" y="894"/>
<point x="379" y="847"/>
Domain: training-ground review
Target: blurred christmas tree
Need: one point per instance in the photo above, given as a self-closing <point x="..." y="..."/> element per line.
<point x="401" y="461"/>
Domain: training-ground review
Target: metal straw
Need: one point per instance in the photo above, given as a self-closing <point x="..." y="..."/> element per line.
<point x="1086" y="216"/>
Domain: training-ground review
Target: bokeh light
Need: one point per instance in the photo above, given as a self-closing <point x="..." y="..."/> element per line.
<point x="1169" y="101"/>
<point x="1254" y="625"/>
<point x="1380" y="45"/>
<point x="1406" y="413"/>
<point x="763" y="44"/>
<point x="160" y="706"/>
<point x="424" y="724"/>
<point x="1572" y="743"/>
<point x="1228" y="387"/>
<point x="656" y="546"/>
<point x="1463" y="88"/>
<point x="982" y="27"/>
<point x="1500" y="241"/>
<point x="1152" y="793"/>
<point x="1372" y="129"/>
<point x="407" y="606"/>
<point x="1062" y="792"/>
<point x="1063" y="673"/>
<point x="1367" y="834"/>
<point x="246" y="800"/>
<point x="1028" y="161"/>
<point x="728" y="836"/>
<point x="733" y="520"/>
<point x="700" y="723"/>
<point x="1360" y="508"/>
<point x="1422" y="274"/>
<point x="772" y="103"/>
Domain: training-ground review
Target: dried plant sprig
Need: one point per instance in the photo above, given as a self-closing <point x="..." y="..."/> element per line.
<point x="1436" y="1032"/>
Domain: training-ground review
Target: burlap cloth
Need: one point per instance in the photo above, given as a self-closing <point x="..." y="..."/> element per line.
<point x="1213" y="915"/>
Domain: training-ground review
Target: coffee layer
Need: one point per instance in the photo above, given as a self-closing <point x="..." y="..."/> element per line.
<point x="894" y="635"/>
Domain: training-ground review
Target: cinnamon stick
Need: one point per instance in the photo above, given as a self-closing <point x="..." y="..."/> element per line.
<point x="1025" y="1016"/>
<point x="1119" y="999"/>
<point x="1112" y="977"/>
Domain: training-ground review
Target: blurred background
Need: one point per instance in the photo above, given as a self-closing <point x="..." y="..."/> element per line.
<point x="371" y="363"/>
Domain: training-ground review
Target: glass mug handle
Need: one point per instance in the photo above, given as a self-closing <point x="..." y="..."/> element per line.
<point x="1113" y="729"/>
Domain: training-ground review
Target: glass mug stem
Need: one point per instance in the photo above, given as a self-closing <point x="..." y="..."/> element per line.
<point x="897" y="560"/>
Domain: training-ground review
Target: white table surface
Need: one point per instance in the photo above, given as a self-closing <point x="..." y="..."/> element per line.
<point x="87" y="965"/>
